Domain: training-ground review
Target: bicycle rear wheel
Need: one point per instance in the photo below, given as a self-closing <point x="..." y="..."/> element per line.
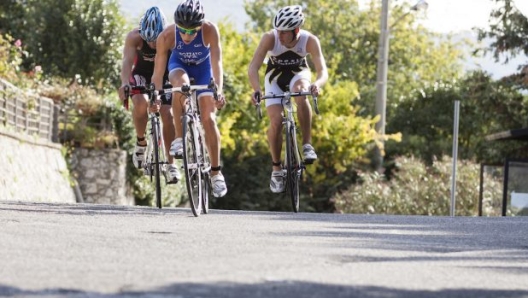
<point x="293" y="167"/>
<point x="156" y="166"/>
<point x="206" y="192"/>
<point x="191" y="166"/>
<point x="206" y="181"/>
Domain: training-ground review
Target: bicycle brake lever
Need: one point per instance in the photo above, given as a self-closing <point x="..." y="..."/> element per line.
<point x="259" y="109"/>
<point x="316" y="106"/>
<point x="127" y="94"/>
<point x="213" y="87"/>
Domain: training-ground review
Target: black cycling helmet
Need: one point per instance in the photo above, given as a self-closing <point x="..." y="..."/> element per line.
<point x="189" y="14"/>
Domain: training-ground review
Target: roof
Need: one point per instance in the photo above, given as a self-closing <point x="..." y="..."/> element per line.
<point x="520" y="134"/>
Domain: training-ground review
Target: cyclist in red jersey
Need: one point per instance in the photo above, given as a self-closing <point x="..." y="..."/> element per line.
<point x="137" y="69"/>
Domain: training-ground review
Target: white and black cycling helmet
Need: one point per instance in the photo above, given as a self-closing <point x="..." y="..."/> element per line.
<point x="151" y="24"/>
<point x="289" y="18"/>
<point x="189" y="14"/>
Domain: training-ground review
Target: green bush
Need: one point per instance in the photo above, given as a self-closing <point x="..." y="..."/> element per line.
<point x="417" y="189"/>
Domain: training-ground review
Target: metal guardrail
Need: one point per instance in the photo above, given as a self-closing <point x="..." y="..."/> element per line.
<point x="30" y="114"/>
<point x="36" y="115"/>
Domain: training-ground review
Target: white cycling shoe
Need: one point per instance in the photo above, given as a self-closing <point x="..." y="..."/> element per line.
<point x="173" y="174"/>
<point x="138" y="157"/>
<point x="278" y="181"/>
<point x="309" y="154"/>
<point x="219" y="185"/>
<point x="176" y="148"/>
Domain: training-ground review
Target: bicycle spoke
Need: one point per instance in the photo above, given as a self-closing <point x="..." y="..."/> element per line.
<point x="156" y="165"/>
<point x="293" y="167"/>
<point x="193" y="177"/>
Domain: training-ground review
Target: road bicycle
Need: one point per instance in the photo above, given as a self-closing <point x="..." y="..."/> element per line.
<point x="156" y="161"/>
<point x="293" y="163"/>
<point x="196" y="160"/>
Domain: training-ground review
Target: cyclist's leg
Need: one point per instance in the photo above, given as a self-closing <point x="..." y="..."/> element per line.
<point x="139" y="112"/>
<point x="301" y="82"/>
<point x="202" y="75"/>
<point x="178" y="77"/>
<point x="212" y="141"/>
<point x="274" y="109"/>
<point x="168" y="127"/>
<point x="140" y="118"/>
<point x="140" y="115"/>
<point x="275" y="134"/>
<point x="212" y="134"/>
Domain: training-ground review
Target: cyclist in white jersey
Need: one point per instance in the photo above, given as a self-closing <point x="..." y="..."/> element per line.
<point x="196" y="53"/>
<point x="287" y="47"/>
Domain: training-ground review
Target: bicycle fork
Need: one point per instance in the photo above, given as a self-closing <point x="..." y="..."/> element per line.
<point x="193" y="123"/>
<point x="299" y="166"/>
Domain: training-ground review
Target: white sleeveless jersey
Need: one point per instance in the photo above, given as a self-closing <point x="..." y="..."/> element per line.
<point x="283" y="56"/>
<point x="285" y="63"/>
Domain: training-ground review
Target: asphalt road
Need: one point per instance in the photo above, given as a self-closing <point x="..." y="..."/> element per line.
<point x="81" y="250"/>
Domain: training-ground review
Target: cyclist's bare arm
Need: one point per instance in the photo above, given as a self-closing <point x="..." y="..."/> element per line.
<point x="266" y="44"/>
<point x="164" y="43"/>
<point x="212" y="37"/>
<point x="129" y="54"/>
<point x="313" y="47"/>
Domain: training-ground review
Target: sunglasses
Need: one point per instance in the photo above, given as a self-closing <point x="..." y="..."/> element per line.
<point x="188" y="31"/>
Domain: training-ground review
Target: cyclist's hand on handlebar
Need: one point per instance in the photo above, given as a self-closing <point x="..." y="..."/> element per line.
<point x="255" y="97"/>
<point x="314" y="89"/>
<point x="221" y="102"/>
<point x="121" y="92"/>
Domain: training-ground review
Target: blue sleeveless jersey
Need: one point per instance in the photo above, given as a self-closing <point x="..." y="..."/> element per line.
<point x="191" y="54"/>
<point x="193" y="58"/>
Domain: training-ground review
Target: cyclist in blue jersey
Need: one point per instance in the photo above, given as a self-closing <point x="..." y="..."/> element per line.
<point x="196" y="53"/>
<point x="287" y="47"/>
<point x="137" y="68"/>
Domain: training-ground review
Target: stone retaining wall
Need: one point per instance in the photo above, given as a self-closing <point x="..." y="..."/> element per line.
<point x="102" y="175"/>
<point x="33" y="169"/>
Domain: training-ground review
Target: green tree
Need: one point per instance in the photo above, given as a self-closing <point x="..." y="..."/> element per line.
<point x="69" y="37"/>
<point x="486" y="107"/>
<point x="508" y="32"/>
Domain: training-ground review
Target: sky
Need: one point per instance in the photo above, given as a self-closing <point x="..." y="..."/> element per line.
<point x="452" y="16"/>
<point x="447" y="16"/>
<point x="442" y="16"/>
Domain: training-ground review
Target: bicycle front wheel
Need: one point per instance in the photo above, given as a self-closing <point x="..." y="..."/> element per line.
<point x="293" y="167"/>
<point x="191" y="165"/>
<point x="156" y="165"/>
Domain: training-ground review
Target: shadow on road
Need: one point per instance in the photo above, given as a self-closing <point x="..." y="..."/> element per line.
<point x="267" y="289"/>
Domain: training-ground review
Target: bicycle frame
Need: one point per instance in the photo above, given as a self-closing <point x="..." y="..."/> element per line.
<point x="197" y="165"/>
<point x="156" y="159"/>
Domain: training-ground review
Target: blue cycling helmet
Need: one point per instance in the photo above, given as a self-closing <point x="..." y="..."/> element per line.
<point x="151" y="24"/>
